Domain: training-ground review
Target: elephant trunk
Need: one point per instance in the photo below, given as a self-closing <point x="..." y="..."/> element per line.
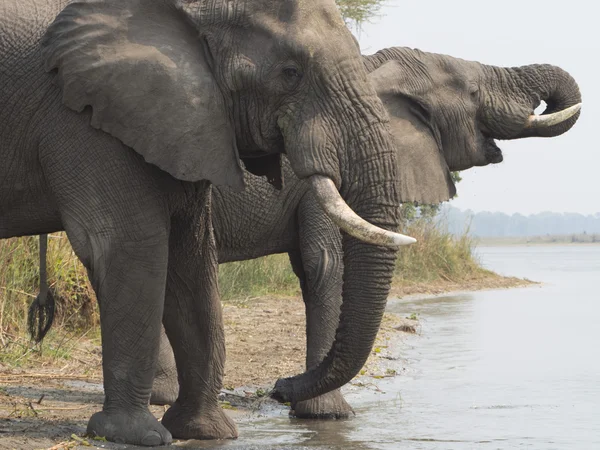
<point x="368" y="271"/>
<point x="561" y="94"/>
<point x="529" y="85"/>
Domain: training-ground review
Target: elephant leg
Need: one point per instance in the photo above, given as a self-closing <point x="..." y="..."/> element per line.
<point x="130" y="285"/>
<point x="165" y="387"/>
<point x="193" y="321"/>
<point x="118" y="225"/>
<point x="318" y="264"/>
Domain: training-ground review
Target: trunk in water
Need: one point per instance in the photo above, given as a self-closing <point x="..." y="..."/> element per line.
<point x="371" y="192"/>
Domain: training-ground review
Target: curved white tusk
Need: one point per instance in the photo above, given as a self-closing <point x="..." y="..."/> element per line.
<point x="342" y="215"/>
<point x="548" y="120"/>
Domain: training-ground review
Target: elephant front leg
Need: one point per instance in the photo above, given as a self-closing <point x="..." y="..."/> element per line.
<point x="318" y="264"/>
<point x="129" y="279"/>
<point x="193" y="321"/>
<point x="117" y="221"/>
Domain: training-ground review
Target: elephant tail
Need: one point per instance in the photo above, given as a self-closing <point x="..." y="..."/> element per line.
<point x="41" y="310"/>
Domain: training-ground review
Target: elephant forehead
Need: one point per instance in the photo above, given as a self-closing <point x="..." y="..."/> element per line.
<point x="296" y="11"/>
<point x="301" y="25"/>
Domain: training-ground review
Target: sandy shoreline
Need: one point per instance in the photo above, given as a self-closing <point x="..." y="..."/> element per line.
<point x="44" y="402"/>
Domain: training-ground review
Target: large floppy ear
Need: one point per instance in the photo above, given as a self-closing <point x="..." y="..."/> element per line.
<point x="423" y="175"/>
<point x="147" y="77"/>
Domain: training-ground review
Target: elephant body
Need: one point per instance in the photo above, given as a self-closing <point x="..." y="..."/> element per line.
<point x="26" y="206"/>
<point x="116" y="117"/>
<point x="123" y="217"/>
<point x="438" y="126"/>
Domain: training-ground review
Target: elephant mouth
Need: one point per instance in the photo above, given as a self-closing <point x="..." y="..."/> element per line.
<point x="493" y="154"/>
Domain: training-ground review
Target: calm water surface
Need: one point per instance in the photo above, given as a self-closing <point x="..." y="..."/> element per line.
<point x="503" y="369"/>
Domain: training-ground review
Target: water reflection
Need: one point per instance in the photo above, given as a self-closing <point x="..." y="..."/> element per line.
<point x="282" y="433"/>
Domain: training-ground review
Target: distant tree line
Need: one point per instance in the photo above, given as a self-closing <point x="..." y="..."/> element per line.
<point x="497" y="224"/>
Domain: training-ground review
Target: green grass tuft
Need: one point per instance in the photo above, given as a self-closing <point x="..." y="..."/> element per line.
<point x="271" y="275"/>
<point x="437" y="256"/>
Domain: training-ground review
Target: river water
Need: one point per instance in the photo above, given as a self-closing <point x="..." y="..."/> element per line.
<point x="502" y="369"/>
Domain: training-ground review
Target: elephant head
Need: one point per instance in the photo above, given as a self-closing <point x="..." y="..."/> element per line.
<point x="193" y="86"/>
<point x="446" y="112"/>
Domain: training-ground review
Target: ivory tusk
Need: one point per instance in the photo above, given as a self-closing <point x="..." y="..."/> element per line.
<point x="548" y="120"/>
<point x="342" y="215"/>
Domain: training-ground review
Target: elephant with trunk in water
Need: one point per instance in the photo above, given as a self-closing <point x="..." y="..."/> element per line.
<point x="445" y="115"/>
<point x="115" y="117"/>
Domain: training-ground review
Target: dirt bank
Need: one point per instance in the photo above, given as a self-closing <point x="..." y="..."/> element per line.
<point x="476" y="283"/>
<point x="46" y="398"/>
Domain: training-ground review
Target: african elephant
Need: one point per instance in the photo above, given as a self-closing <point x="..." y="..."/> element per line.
<point x="445" y="114"/>
<point x="116" y="117"/>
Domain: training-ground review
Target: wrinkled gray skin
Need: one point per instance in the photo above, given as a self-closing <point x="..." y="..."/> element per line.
<point x="187" y="86"/>
<point x="445" y="113"/>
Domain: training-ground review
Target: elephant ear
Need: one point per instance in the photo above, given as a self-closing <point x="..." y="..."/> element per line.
<point x="147" y="77"/>
<point x="423" y="174"/>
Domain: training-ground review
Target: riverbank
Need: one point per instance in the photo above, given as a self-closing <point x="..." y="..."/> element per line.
<point x="48" y="393"/>
<point x="266" y="338"/>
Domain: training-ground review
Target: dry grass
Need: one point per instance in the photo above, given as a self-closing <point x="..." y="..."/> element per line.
<point x="436" y="256"/>
<point x="75" y="298"/>
<point x="244" y="280"/>
<point x="436" y="262"/>
<point x="19" y="280"/>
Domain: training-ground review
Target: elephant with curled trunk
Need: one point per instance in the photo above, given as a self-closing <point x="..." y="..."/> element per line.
<point x="445" y="115"/>
<point x="115" y="118"/>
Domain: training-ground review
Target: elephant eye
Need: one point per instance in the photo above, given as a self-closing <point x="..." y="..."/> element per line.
<point x="292" y="72"/>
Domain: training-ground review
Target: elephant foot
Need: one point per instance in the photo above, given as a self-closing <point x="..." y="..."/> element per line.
<point x="195" y="423"/>
<point x="127" y="427"/>
<point x="165" y="390"/>
<point x="327" y="406"/>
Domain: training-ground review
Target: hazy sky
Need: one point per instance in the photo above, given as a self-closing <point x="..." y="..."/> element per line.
<point x="558" y="174"/>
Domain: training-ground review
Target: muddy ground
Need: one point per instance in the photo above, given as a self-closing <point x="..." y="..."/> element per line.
<point x="46" y="402"/>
